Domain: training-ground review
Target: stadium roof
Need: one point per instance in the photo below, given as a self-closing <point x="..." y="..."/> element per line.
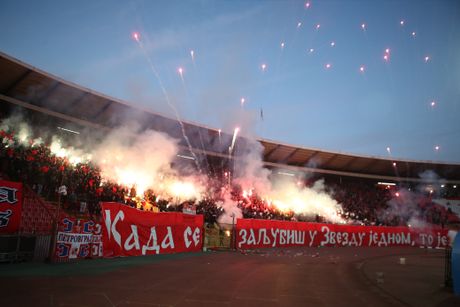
<point x="28" y="87"/>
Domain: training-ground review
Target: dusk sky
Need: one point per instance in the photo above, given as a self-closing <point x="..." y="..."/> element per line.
<point x="334" y="86"/>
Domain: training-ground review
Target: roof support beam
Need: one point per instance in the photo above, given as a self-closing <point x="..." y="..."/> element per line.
<point x="74" y="103"/>
<point x="349" y="163"/>
<point x="330" y="159"/>
<point x="310" y="158"/>
<point x="267" y="156"/>
<point x="9" y="88"/>
<point x="290" y="155"/>
<point x="46" y="94"/>
<point x="371" y="161"/>
<point x="101" y="110"/>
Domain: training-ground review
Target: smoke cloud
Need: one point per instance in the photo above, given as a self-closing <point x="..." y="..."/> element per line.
<point x="130" y="157"/>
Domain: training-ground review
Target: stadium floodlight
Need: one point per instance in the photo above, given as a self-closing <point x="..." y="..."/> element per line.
<point x="386" y="183"/>
<point x="286" y="174"/>
<point x="68" y="130"/>
<point x="186" y="157"/>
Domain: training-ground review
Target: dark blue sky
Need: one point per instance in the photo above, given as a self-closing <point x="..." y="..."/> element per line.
<point x="304" y="103"/>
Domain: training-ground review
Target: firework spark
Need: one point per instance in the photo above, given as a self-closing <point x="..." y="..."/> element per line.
<point x="136" y="36"/>
<point x="235" y="134"/>
<point x="180" y="71"/>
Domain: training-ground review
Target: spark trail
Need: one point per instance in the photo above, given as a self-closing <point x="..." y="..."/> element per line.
<point x="136" y="37"/>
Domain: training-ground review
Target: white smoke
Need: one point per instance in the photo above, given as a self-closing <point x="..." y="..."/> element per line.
<point x="133" y="158"/>
<point x="73" y="155"/>
<point x="250" y="172"/>
<point x="417" y="223"/>
<point x="17" y="125"/>
<point x="285" y="194"/>
<point x="231" y="210"/>
<point x="406" y="204"/>
<point x="288" y="196"/>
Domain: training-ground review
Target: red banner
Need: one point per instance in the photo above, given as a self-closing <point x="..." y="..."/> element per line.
<point x="131" y="232"/>
<point x="10" y="206"/>
<point x="267" y="233"/>
<point x="77" y="239"/>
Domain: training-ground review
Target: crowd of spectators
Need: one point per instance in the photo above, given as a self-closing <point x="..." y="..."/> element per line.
<point x="388" y="205"/>
<point x="80" y="188"/>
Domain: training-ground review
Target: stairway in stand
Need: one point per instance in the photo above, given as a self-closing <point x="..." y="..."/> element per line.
<point x="38" y="216"/>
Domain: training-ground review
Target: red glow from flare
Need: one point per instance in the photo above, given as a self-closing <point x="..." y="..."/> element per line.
<point x="136" y="36"/>
<point x="307" y="5"/>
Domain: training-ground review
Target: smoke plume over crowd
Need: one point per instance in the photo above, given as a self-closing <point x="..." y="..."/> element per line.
<point x="144" y="160"/>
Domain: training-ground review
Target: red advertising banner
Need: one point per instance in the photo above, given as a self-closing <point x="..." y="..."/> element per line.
<point x="267" y="233"/>
<point x="131" y="232"/>
<point x="77" y="239"/>
<point x="10" y="206"/>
